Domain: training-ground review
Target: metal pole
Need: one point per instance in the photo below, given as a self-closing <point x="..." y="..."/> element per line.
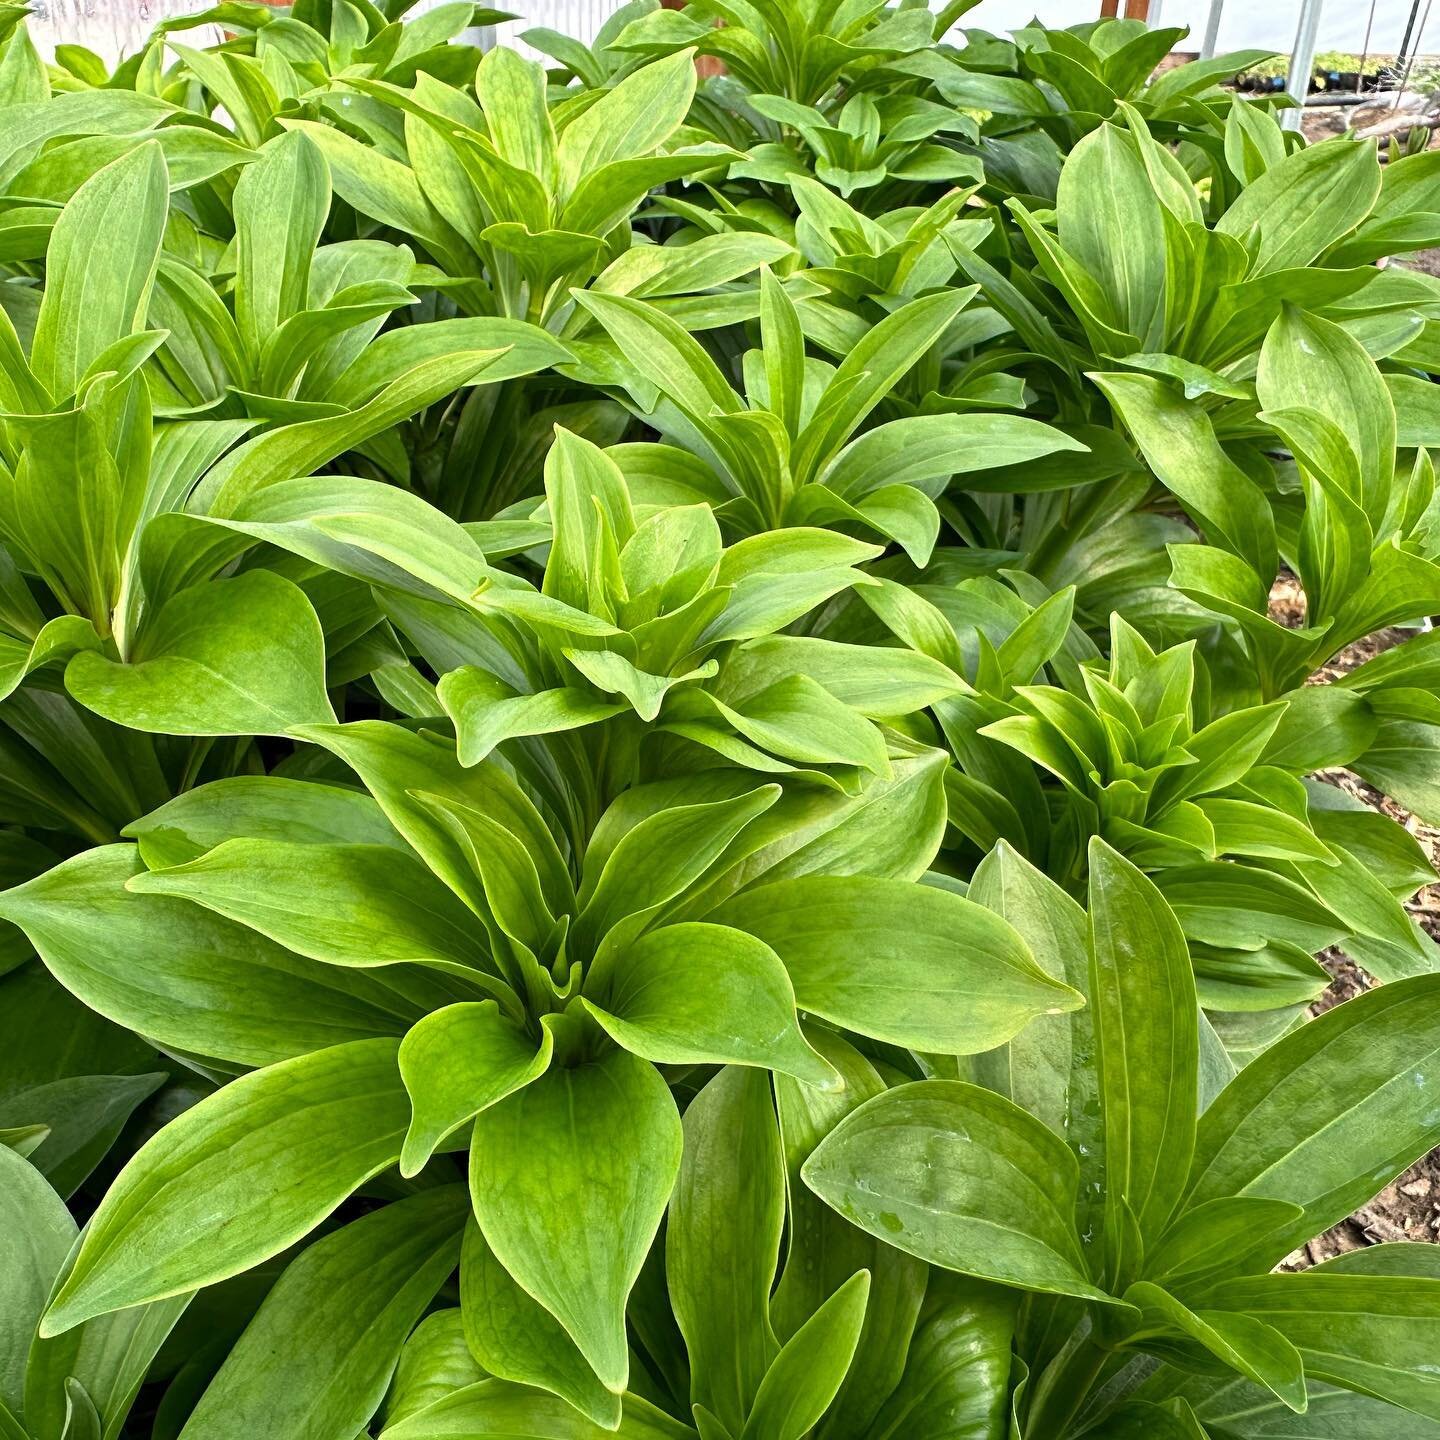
<point x="1212" y="29"/>
<point x="1365" y="49"/>
<point x="1412" y="57"/>
<point x="1302" y="60"/>
<point x="1152" y="17"/>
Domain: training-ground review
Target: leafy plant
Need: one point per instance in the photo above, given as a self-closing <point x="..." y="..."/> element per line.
<point x="652" y="777"/>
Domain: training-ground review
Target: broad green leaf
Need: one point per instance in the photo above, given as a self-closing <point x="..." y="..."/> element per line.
<point x="1299" y="207"/>
<point x="242" y="656"/>
<point x="274" y="1153"/>
<point x="1178" y="442"/>
<point x="824" y="1251"/>
<point x="1329" y="1114"/>
<point x="435" y="1361"/>
<point x="722" y="1241"/>
<point x="375" y="532"/>
<point x="516" y="1338"/>
<point x="109" y="1356"/>
<point x="188" y="978"/>
<point x="496" y="1407"/>
<point x="698" y="993"/>
<point x="631" y="120"/>
<point x="280" y="205"/>
<point x="1241" y="1341"/>
<point x="962" y="1178"/>
<point x="1110" y="220"/>
<point x="631" y="873"/>
<point x="1142" y="991"/>
<point x="35" y="1238"/>
<point x="569" y="1178"/>
<point x="957" y="1370"/>
<point x="398" y="766"/>
<point x="808" y="1372"/>
<point x="487" y="711"/>
<point x="345" y="904"/>
<point x="1375" y="1334"/>
<point x="456" y="1062"/>
<point x="353" y="1296"/>
<point x="259" y="807"/>
<point x="1310" y="362"/>
<point x="96" y="294"/>
<point x="915" y="966"/>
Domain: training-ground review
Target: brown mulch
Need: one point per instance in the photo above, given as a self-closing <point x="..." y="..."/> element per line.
<point x="1409" y="1207"/>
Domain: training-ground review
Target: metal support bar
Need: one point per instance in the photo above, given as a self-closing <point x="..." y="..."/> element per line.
<point x="1302" y="59"/>
<point x="1212" y="29"/>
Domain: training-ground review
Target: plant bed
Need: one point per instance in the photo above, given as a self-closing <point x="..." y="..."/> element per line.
<point x="731" y="739"/>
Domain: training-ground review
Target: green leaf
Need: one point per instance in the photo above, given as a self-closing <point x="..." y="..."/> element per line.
<point x="1241" y="1341"/>
<point x="1298" y="208"/>
<point x="962" y="1178"/>
<point x="722" y="1241"/>
<point x="629" y="121"/>
<point x="918" y="967"/>
<point x="353" y="1296"/>
<point x="435" y="1362"/>
<point x="242" y="656"/>
<point x="1147" y="1041"/>
<point x="274" y="1153"/>
<point x="1178" y="442"/>
<point x="108" y="1356"/>
<point x="517" y="1338"/>
<point x="1110" y="220"/>
<point x="185" y="977"/>
<point x="569" y="1179"/>
<point x="96" y="294"/>
<point x="809" y="1371"/>
<point x="633" y="872"/>
<point x="345" y="904"/>
<point x="407" y="773"/>
<point x="698" y="993"/>
<point x="957" y="1371"/>
<point x="496" y="1407"/>
<point x="280" y="205"/>
<point x="259" y="807"/>
<point x="1329" y="1114"/>
<point x="456" y="1062"/>
<point x="824" y="1251"/>
<point x="487" y="712"/>
<point x="35" y="1238"/>
<point x="375" y="532"/>
<point x="1375" y="1334"/>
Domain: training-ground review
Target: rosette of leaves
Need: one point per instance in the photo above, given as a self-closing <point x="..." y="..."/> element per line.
<point x="645" y="639"/>
<point x="94" y="486"/>
<point x="871" y="141"/>
<point x="537" y="989"/>
<point x="517" y="200"/>
<point x="1351" y="515"/>
<point x="797" y="52"/>
<point x="1118" y="1252"/>
<point x="1195" y="286"/>
<point x="277" y="66"/>
<point x="1040" y="90"/>
<point x="1263" y="869"/>
<point x="787" y="452"/>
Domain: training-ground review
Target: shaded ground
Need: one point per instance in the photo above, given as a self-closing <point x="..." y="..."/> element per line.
<point x="1408" y="1209"/>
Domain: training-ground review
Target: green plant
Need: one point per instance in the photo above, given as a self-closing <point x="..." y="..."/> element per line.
<point x="649" y="779"/>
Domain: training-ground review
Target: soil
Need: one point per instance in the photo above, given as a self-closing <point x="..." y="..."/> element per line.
<point x="1409" y="1208"/>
